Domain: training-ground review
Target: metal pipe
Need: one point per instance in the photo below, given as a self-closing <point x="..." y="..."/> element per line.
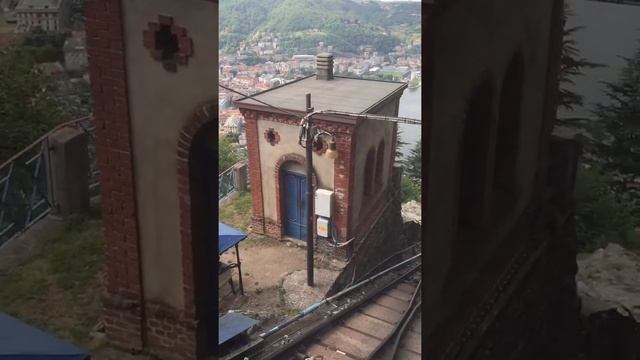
<point x="309" y="159"/>
<point x="387" y="259"/>
<point x="239" y="270"/>
<point x="313" y="307"/>
<point x="368" y="116"/>
<point x="402" y="329"/>
<point x="406" y="317"/>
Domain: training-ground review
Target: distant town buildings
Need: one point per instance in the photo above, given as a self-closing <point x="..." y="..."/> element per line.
<point x="49" y="15"/>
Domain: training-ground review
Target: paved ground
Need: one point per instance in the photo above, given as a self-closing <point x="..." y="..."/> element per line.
<point x="298" y="295"/>
<point x="265" y="265"/>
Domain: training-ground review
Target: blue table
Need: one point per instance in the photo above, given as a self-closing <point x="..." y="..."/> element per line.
<point x="229" y="237"/>
<point x="19" y="340"/>
<point x="232" y="325"/>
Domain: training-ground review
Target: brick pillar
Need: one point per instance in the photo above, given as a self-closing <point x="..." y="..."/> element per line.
<point x="342" y="180"/>
<point x="253" y="139"/>
<point x="123" y="310"/>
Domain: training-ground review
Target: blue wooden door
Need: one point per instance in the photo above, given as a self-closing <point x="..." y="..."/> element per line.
<point x="295" y="205"/>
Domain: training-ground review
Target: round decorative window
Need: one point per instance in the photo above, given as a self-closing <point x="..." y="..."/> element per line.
<point x="272" y="136"/>
<point x="168" y="43"/>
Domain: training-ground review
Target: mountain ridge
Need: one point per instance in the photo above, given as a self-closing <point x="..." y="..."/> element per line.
<point x="344" y="24"/>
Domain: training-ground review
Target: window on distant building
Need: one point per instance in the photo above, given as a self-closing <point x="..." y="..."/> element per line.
<point x="379" y="163"/>
<point x="368" y="172"/>
<point x="504" y="177"/>
<point x="473" y="175"/>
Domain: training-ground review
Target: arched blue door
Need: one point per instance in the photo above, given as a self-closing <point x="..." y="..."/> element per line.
<point x="295" y="204"/>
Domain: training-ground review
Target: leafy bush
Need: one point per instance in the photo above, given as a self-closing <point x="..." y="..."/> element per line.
<point x="227" y="154"/>
<point x="410" y="190"/>
<point x="600" y="215"/>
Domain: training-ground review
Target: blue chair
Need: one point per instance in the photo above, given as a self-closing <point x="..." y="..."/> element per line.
<point x="232" y="325"/>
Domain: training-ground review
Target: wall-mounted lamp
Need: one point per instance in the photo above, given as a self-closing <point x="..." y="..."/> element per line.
<point x="332" y="153"/>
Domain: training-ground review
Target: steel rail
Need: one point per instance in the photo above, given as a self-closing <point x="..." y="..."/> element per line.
<point x="400" y="323"/>
<point x="396" y="342"/>
<point x="326" y="321"/>
<point x="384" y="261"/>
<point x="315" y="306"/>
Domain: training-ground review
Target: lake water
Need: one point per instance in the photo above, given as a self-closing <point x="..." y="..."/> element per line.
<point x="611" y="31"/>
<point x="411" y="107"/>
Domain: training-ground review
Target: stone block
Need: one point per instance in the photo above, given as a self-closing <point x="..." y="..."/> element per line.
<point x="69" y="157"/>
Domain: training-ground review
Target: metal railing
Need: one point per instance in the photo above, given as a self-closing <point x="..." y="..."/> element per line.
<point x="228" y="180"/>
<point x="26" y="184"/>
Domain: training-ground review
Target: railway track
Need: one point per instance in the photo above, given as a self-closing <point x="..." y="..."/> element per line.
<point x="377" y="318"/>
<point x="371" y="331"/>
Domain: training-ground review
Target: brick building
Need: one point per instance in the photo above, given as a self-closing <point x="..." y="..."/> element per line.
<point x="360" y="176"/>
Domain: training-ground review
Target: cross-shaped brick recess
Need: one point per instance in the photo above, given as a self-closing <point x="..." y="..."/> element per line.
<point x="168" y="43"/>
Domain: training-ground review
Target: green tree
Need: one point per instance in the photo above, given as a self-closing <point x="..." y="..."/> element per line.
<point x="399" y="144"/>
<point x="227" y="154"/>
<point x="414" y="163"/>
<point x="44" y="46"/>
<point x="410" y="190"/>
<point x="620" y="118"/>
<point x="28" y="108"/>
<point x="600" y="216"/>
<point x="411" y="182"/>
<point x="571" y="65"/>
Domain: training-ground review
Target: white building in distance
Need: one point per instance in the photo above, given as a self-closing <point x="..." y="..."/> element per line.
<point x="49" y="15"/>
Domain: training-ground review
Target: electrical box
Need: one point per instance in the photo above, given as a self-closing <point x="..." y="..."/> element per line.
<point x="323" y="202"/>
<point x="322" y="227"/>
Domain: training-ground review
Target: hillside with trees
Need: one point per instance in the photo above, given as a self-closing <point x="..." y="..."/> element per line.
<point x="607" y="192"/>
<point x="304" y="23"/>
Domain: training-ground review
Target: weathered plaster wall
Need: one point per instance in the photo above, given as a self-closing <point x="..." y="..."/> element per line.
<point x="368" y="135"/>
<point x="269" y="156"/>
<point x="158" y="111"/>
<point x="473" y="39"/>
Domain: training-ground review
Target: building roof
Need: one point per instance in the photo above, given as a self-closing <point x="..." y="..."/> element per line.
<point x="340" y="94"/>
<point x="38" y="5"/>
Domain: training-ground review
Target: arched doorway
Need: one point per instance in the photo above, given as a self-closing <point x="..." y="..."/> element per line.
<point x="294" y="200"/>
<point x="197" y="176"/>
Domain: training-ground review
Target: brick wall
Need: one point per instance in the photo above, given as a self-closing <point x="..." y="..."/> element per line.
<point x="170" y="333"/>
<point x="255" y="177"/>
<point x="123" y="310"/>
